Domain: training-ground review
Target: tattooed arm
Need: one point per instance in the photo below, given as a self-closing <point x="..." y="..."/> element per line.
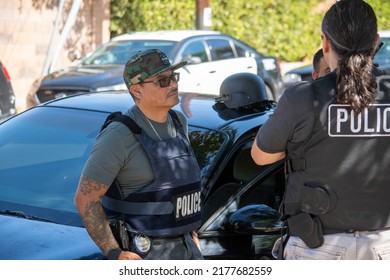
<point x="87" y="200"/>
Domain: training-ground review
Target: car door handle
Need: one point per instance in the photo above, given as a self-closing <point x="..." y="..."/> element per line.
<point x="213" y="71"/>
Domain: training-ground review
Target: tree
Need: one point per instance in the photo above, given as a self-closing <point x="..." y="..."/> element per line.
<point x="287" y="29"/>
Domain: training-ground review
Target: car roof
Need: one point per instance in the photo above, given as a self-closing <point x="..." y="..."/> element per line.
<point x="169" y="35"/>
<point x="198" y="109"/>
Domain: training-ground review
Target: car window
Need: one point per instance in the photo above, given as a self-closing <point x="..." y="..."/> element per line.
<point x="48" y="153"/>
<point x="195" y="50"/>
<point x="220" y="49"/>
<point x="118" y="52"/>
<point x="241" y="52"/>
<point x="206" y="144"/>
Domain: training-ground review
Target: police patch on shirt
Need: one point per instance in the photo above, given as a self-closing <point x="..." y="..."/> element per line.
<point x="187" y="205"/>
<point x="373" y="121"/>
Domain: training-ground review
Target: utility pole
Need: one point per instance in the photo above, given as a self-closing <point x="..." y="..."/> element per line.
<point x="203" y="14"/>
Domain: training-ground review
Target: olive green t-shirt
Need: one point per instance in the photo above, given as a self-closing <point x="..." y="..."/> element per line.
<point x="118" y="154"/>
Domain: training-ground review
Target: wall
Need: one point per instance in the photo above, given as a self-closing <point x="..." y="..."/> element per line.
<point x="26" y="28"/>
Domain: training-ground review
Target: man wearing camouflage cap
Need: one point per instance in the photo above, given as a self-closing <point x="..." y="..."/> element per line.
<point x="143" y="172"/>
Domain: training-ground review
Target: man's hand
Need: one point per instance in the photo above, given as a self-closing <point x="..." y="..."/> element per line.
<point x="196" y="239"/>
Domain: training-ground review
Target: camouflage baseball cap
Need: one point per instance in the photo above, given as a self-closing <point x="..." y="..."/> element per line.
<point x="146" y="64"/>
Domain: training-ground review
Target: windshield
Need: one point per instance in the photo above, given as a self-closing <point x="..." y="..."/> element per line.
<point x="118" y="52"/>
<point x="42" y="154"/>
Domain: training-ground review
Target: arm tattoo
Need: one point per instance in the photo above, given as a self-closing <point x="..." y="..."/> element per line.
<point x="88" y="185"/>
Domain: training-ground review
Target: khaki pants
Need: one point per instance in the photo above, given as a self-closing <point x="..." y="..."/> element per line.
<point x="360" y="245"/>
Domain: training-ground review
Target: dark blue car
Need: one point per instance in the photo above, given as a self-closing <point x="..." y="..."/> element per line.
<point x="43" y="151"/>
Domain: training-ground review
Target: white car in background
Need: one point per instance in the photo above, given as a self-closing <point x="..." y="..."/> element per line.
<point x="212" y="57"/>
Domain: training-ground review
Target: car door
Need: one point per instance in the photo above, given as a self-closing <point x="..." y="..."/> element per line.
<point x="192" y="75"/>
<point x="240" y="217"/>
<point x="211" y="61"/>
<point x="225" y="62"/>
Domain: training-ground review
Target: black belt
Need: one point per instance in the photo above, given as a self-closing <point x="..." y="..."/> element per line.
<point x="334" y="231"/>
<point x="168" y="237"/>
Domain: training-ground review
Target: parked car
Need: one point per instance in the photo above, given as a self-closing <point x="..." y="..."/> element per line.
<point x="44" y="149"/>
<point x="299" y="74"/>
<point x="382" y="59"/>
<point x="7" y="97"/>
<point x="212" y="57"/>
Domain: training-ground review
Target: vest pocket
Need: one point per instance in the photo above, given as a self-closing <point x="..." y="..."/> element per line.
<point x="318" y="199"/>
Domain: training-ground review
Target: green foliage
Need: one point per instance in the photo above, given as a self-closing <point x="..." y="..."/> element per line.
<point x="382" y="11"/>
<point x="278" y="27"/>
<point x="287" y="29"/>
<point x="151" y="15"/>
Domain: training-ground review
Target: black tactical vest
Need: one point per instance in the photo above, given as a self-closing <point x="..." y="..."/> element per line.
<point x="171" y="204"/>
<point x="342" y="172"/>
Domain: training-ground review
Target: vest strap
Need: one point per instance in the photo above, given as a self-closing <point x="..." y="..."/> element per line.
<point x="294" y="165"/>
<point x="137" y="208"/>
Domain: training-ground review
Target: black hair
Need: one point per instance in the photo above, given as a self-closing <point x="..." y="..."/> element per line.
<point x="351" y="27"/>
<point x="316" y="59"/>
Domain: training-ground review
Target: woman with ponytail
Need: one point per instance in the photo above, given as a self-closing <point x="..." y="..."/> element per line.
<point x="334" y="135"/>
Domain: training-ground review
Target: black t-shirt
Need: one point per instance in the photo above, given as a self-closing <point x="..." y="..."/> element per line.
<point x="291" y="121"/>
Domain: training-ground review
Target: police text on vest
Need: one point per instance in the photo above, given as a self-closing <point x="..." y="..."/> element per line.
<point x="187" y="205"/>
<point x="371" y="122"/>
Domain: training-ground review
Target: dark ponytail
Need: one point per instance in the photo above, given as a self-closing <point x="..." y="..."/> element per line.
<point x="351" y="27"/>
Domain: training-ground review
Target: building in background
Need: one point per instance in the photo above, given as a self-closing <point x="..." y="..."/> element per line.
<point x="37" y="35"/>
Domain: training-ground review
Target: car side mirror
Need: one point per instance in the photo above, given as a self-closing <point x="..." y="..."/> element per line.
<point x="194" y="60"/>
<point x="257" y="219"/>
<point x="73" y="55"/>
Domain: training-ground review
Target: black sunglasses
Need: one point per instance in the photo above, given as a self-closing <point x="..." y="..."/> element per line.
<point x="166" y="81"/>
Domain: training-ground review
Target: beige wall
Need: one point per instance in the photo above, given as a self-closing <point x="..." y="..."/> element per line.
<point x="26" y="28"/>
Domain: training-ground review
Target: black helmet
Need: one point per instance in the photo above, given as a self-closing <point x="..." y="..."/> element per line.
<point x="242" y="89"/>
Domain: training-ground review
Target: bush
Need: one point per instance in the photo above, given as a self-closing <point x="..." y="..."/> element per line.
<point x="289" y="30"/>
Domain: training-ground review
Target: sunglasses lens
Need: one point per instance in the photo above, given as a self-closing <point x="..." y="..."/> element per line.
<point x="164" y="82"/>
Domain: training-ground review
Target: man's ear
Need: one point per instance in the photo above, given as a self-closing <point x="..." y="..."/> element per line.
<point x="314" y="75"/>
<point x="136" y="90"/>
